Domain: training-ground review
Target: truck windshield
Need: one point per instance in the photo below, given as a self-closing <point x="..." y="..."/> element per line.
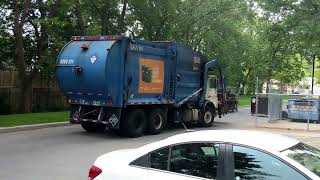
<point x="306" y="155"/>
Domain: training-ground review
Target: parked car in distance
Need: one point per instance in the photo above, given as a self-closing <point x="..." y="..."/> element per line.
<point x="212" y="154"/>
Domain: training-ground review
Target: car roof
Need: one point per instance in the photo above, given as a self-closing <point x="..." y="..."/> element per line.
<point x="257" y="139"/>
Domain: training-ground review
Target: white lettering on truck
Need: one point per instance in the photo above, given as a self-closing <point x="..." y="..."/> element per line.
<point x="66" y="61"/>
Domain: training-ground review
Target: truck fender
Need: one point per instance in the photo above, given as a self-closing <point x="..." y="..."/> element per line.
<point x="207" y="103"/>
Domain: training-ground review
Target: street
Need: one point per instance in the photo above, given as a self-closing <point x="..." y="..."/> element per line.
<point x="68" y="152"/>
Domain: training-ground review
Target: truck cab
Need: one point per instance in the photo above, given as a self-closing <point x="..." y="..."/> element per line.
<point x="212" y="91"/>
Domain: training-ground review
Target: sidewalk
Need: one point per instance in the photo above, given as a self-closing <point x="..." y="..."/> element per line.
<point x="298" y="130"/>
<point x="244" y="120"/>
<point x="308" y="137"/>
<point x="287" y="124"/>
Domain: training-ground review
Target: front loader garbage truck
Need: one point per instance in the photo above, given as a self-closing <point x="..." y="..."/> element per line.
<point x="136" y="86"/>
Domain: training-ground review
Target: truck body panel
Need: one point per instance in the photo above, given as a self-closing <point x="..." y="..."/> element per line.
<point x="188" y="69"/>
<point x="99" y="82"/>
<point x="148" y="73"/>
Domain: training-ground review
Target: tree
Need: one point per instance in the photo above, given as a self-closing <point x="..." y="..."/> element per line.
<point x="27" y="15"/>
<point x="78" y="14"/>
<point x="293" y="31"/>
<point x="6" y="50"/>
<point x="20" y="17"/>
<point x="152" y="19"/>
<point x="121" y="22"/>
<point x="6" y="40"/>
<point x="253" y="38"/>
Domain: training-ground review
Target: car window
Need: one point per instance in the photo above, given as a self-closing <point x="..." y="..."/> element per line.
<point x="197" y="159"/>
<point x="306" y="155"/>
<point x="253" y="164"/>
<point x="213" y="83"/>
<point x="142" y="161"/>
<point x="159" y="159"/>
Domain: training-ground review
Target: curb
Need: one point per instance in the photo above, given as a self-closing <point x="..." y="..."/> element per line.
<point x="292" y="129"/>
<point x="32" y="127"/>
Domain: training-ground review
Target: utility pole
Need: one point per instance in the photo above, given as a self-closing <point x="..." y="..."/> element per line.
<point x="313" y="63"/>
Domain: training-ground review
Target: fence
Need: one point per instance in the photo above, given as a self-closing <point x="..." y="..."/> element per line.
<point x="8" y="79"/>
<point x="46" y="94"/>
<point x="287" y="111"/>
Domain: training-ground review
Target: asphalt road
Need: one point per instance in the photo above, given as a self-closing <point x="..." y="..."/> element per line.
<point x="68" y="152"/>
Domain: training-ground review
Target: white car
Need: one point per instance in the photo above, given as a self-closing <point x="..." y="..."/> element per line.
<point x="212" y="154"/>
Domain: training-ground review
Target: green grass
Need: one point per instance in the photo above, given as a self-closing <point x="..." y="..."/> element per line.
<point x="32" y="118"/>
<point x="285" y="99"/>
<point x="244" y="100"/>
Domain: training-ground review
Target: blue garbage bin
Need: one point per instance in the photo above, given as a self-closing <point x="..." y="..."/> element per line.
<point x="299" y="109"/>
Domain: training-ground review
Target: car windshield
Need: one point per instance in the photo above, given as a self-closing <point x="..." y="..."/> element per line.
<point x="306" y="155"/>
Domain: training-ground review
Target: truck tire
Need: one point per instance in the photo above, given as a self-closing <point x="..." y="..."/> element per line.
<point x="93" y="127"/>
<point x="207" y="117"/>
<point x="157" y="121"/>
<point x="133" y="124"/>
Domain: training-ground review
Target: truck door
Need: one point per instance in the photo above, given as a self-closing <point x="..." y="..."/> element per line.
<point x="212" y="94"/>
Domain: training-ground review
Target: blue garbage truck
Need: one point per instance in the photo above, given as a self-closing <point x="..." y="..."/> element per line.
<point x="136" y="86"/>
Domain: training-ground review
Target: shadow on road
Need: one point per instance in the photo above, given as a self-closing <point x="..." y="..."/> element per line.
<point x="171" y="130"/>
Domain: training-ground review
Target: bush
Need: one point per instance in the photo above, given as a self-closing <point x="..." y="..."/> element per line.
<point x="4" y="104"/>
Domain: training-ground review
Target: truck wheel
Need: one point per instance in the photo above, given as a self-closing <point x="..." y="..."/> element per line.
<point x="157" y="121"/>
<point x="134" y="123"/>
<point x="93" y="127"/>
<point x="207" y="117"/>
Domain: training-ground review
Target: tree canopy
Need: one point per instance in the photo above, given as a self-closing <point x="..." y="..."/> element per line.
<point x="269" y="39"/>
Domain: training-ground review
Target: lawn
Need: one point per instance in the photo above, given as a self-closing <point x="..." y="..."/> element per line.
<point x="33" y="118"/>
<point x="244" y="100"/>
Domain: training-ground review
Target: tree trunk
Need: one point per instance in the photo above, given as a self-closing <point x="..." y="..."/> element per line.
<point x="238" y="88"/>
<point x="25" y="78"/>
<point x="26" y="93"/>
<point x="272" y="66"/>
<point x="80" y="22"/>
<point x="122" y="16"/>
<point x="104" y="30"/>
<point x="23" y="82"/>
<point x="269" y="77"/>
<point x="268" y="86"/>
<point x="244" y="82"/>
<point x="158" y="36"/>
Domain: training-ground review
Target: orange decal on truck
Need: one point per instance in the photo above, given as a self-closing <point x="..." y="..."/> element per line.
<point x="151" y="76"/>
